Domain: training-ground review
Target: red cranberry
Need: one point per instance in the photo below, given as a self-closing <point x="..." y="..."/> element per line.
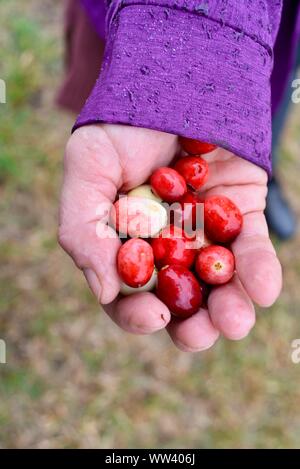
<point x="179" y="289"/>
<point x="205" y="290"/>
<point x="126" y="290"/>
<point x="194" y="169"/>
<point x="168" y="184"/>
<point x="223" y="220"/>
<point x="192" y="210"/>
<point x="171" y="247"/>
<point x="196" y="147"/>
<point x="215" y="265"/>
<point x="135" y="262"/>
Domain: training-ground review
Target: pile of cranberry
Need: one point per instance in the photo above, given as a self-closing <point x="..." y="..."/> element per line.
<point x="160" y="254"/>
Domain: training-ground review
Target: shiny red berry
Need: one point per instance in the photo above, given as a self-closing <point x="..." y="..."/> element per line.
<point x="215" y="265"/>
<point x="194" y="170"/>
<point x="179" y="289"/>
<point x="196" y="147"/>
<point x="223" y="220"/>
<point x="172" y="247"/>
<point x="135" y="262"/>
<point x="168" y="184"/>
<point x="192" y="210"/>
<point x="205" y="290"/>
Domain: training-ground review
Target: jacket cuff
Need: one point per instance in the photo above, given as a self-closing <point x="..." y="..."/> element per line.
<point x="186" y="74"/>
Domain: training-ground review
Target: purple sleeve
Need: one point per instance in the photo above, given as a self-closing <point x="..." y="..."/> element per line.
<point x="197" y="69"/>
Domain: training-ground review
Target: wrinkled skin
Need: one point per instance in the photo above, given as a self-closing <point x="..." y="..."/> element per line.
<point x="103" y="159"/>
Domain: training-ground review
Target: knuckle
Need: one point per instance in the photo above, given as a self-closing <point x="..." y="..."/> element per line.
<point x="72" y="246"/>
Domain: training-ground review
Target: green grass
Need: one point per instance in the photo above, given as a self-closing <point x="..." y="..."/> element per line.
<point x="73" y="379"/>
<point x="21" y="381"/>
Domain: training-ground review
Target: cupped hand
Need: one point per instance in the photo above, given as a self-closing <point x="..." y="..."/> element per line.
<point x="101" y="160"/>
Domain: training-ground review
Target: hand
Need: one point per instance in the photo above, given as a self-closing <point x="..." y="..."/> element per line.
<point x="100" y="160"/>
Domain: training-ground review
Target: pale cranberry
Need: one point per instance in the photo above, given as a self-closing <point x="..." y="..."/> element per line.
<point x="194" y="170"/>
<point x="135" y="262"/>
<point x="138" y="217"/>
<point x="196" y="147"/>
<point x="223" y="220"/>
<point x="179" y="289"/>
<point x="168" y="184"/>
<point x="145" y="192"/>
<point x="215" y="265"/>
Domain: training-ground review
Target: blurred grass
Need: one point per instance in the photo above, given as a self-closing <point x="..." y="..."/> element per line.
<point x="72" y="378"/>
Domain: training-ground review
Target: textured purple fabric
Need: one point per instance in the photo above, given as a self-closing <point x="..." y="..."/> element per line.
<point x="198" y="70"/>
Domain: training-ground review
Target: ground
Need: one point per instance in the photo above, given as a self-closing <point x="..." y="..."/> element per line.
<point x="72" y="378"/>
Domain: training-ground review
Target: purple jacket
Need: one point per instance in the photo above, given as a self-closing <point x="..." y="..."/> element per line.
<point x="202" y="69"/>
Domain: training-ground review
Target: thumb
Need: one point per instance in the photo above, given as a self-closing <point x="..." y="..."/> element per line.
<point x="92" y="175"/>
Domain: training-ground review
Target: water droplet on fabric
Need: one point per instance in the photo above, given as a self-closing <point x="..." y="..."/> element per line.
<point x="145" y="70"/>
<point x="238" y="35"/>
<point x="131" y="95"/>
<point x="202" y="8"/>
<point x="186" y="123"/>
<point x="166" y="13"/>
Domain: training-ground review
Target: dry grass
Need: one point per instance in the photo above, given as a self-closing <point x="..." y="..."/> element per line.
<point x="73" y="379"/>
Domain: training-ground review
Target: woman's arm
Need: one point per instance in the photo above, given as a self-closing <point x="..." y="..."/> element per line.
<point x="202" y="74"/>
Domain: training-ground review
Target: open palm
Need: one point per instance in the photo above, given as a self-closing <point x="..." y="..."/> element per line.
<point x="101" y="160"/>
